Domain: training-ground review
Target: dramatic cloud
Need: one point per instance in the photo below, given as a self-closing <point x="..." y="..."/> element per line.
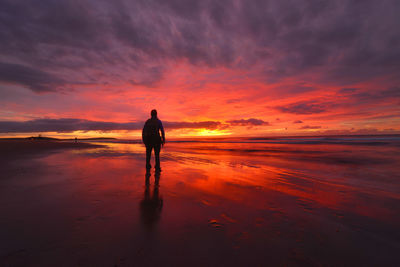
<point x="34" y="79"/>
<point x="298" y="121"/>
<point x="308" y="127"/>
<point x="346" y="91"/>
<point x="70" y="125"/>
<point x="304" y="107"/>
<point x="390" y="93"/>
<point x="275" y="37"/>
<point x="193" y="125"/>
<point x="248" y="122"/>
<point x="201" y="61"/>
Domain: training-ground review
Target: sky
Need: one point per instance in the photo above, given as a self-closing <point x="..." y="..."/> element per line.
<point x="210" y="68"/>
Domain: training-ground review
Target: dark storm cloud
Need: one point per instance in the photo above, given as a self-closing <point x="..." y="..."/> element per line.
<point x="389" y="93"/>
<point x="346" y="91"/>
<point x="70" y="125"/>
<point x="34" y="79"/>
<point x="248" y="122"/>
<point x="211" y="125"/>
<point x="150" y="78"/>
<point x="49" y="34"/>
<point x="356" y="96"/>
<point x="338" y="41"/>
<point x="308" y="127"/>
<point x="31" y="23"/>
<point x="368" y="131"/>
<point x="293" y="89"/>
<point x="393" y="92"/>
<point x="305" y="107"/>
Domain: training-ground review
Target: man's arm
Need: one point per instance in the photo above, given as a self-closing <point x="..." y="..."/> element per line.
<point x="162" y="132"/>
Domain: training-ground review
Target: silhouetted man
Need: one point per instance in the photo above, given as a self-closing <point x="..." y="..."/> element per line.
<point x="152" y="139"/>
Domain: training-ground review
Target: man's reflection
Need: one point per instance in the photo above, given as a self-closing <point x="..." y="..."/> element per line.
<point x="151" y="205"/>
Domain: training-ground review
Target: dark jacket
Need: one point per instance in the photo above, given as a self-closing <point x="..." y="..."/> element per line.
<point x="151" y="132"/>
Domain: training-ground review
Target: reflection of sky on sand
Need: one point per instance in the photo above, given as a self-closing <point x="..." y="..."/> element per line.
<point x="333" y="176"/>
<point x="221" y="202"/>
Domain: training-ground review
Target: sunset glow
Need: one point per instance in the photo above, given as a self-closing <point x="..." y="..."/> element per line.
<point x="199" y="132"/>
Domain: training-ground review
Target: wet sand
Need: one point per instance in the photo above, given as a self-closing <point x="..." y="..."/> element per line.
<point x="25" y="147"/>
<point x="240" y="204"/>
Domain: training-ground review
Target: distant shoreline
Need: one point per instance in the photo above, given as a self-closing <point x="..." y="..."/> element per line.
<point x="56" y="139"/>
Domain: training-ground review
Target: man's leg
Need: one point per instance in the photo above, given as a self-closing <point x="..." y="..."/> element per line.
<point x="157" y="148"/>
<point x="148" y="156"/>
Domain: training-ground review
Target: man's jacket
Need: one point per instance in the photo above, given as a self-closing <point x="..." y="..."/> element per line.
<point x="151" y="132"/>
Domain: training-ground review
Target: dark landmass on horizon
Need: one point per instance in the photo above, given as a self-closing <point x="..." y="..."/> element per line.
<point x="204" y="137"/>
<point x="56" y="139"/>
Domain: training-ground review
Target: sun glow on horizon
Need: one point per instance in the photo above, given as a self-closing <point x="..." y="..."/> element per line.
<point x="205" y="132"/>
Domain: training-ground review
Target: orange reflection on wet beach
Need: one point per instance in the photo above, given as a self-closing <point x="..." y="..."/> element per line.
<point x="325" y="175"/>
<point x="299" y="201"/>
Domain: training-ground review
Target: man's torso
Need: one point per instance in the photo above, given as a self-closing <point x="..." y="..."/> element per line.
<point x="151" y="132"/>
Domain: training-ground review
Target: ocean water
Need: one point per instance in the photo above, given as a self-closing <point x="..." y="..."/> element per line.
<point x="233" y="201"/>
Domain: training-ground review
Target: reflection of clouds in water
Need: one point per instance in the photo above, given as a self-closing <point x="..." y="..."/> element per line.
<point x="303" y="153"/>
<point x="238" y="164"/>
<point x="296" y="181"/>
<point x="185" y="158"/>
<point x="242" y="185"/>
<point x="283" y="194"/>
<point x="326" y="149"/>
<point x="192" y="174"/>
<point x="188" y="158"/>
<point x="290" y="165"/>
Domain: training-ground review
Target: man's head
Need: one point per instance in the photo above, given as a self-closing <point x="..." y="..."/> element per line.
<point x="153" y="113"/>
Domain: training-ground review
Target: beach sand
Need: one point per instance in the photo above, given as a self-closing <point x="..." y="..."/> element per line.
<point x="25" y="147"/>
<point x="239" y="204"/>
